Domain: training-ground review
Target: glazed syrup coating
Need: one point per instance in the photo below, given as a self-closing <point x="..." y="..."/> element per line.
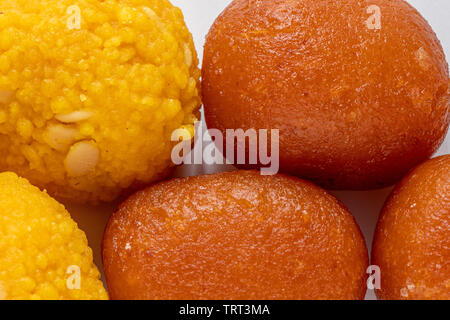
<point x="412" y="244"/>
<point x="236" y="235"/>
<point x="357" y="108"/>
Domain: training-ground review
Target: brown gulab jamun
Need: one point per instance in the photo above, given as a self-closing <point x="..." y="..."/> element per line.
<point x="358" y="89"/>
<point x="236" y="235"/>
<point x="412" y="239"/>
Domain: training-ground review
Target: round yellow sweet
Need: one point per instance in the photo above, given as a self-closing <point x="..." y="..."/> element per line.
<point x="91" y="91"/>
<point x="43" y="254"/>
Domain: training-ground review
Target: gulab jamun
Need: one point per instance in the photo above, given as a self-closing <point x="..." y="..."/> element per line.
<point x="358" y="89"/>
<point x="412" y="243"/>
<point x="236" y="235"/>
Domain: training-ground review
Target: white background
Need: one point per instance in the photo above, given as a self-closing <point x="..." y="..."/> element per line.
<point x="365" y="206"/>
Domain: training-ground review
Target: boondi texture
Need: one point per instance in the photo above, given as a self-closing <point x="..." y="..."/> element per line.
<point x="40" y="245"/>
<point x="88" y="112"/>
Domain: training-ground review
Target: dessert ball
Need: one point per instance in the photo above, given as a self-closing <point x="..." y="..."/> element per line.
<point x="91" y="91"/>
<point x="236" y="235"/>
<point x="43" y="254"/>
<point x="358" y="90"/>
<point x="412" y="244"/>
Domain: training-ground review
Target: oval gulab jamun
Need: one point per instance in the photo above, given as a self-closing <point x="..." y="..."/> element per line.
<point x="412" y="239"/>
<point x="358" y="89"/>
<point x="236" y="235"/>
